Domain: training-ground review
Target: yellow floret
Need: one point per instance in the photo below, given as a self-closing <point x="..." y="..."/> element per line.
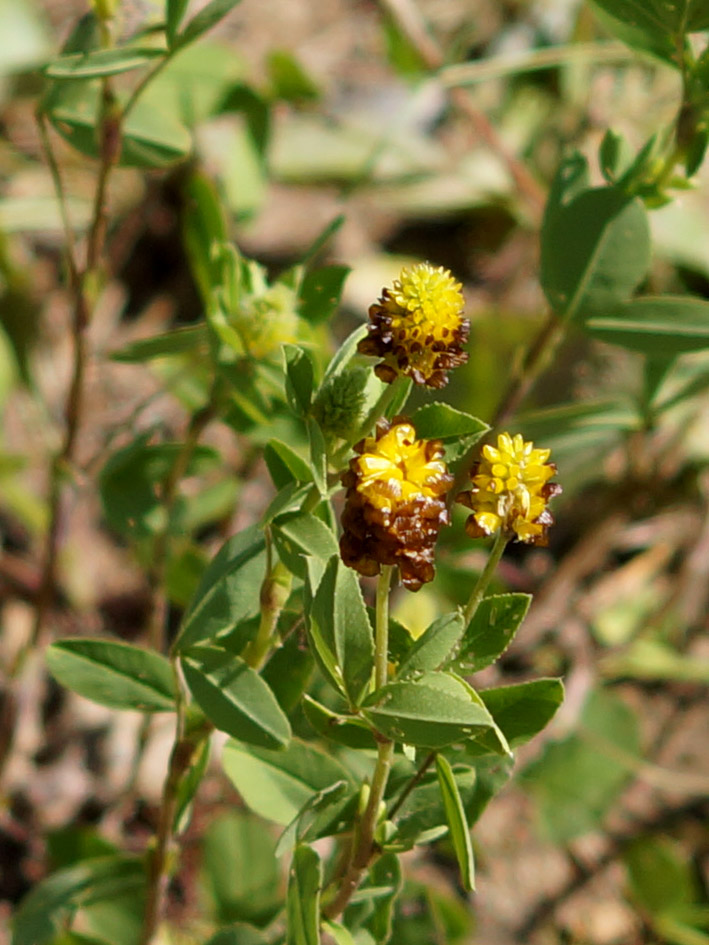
<point x="511" y="489"/>
<point x="396" y="468"/>
<point x="427" y="301"/>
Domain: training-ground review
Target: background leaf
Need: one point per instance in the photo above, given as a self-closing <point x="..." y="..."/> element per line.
<point x="595" y="251"/>
<point x="577" y="779"/>
<point x="240" y="872"/>
<point x="663" y="326"/>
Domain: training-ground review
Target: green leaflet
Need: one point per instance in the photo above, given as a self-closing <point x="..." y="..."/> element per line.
<point x="114" y="674"/>
<point x="234" y="697"/>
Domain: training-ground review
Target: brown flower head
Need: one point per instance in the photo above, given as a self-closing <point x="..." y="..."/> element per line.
<point x="510" y="491"/>
<point x="395" y="503"/>
<point x="417" y="327"/>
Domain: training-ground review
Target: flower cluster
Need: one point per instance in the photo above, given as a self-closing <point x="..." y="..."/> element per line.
<point x="395" y="505"/>
<point x="417" y="327"/>
<point x="510" y="491"/>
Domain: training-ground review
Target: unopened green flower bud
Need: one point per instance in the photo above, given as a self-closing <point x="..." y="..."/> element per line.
<point x="268" y="320"/>
<point x="340" y="402"/>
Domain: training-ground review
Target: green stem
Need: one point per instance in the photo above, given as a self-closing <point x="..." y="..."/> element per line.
<point x="275" y="592"/>
<point x="485" y="578"/>
<point x="381" y="633"/>
<point x="364" y="848"/>
<point x="411" y="784"/>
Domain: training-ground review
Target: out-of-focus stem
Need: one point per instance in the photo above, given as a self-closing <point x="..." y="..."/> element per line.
<point x="186" y="745"/>
<point x="157" y="621"/>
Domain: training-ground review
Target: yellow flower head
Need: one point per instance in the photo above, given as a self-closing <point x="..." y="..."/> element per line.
<point x="510" y="491"/>
<point x="417" y="327"/>
<point x="395" y="503"/>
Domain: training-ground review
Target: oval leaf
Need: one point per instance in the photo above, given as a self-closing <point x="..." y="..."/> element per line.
<point x="595" y="252"/>
<point x="234" y="697"/>
<point x="524" y="709"/>
<point x="277" y="784"/>
<point x="491" y="631"/>
<point x="434" y="646"/>
<point x="442" y="422"/>
<point x="229" y="590"/>
<point x="434" y="711"/>
<point x="113" y="674"/>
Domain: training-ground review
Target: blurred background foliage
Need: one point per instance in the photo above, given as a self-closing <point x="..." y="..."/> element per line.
<point x="294" y="114"/>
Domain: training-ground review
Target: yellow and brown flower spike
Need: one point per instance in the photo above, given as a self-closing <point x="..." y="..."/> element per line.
<point x="395" y="503"/>
<point x="417" y="327"/>
<point x="510" y="491"/>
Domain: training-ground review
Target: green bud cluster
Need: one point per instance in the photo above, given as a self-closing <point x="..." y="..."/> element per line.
<point x="267" y="320"/>
<point x="340" y="402"/>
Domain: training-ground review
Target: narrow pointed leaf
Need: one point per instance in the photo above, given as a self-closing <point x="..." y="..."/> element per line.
<point x="341" y="625"/>
<point x="100" y="62"/>
<point x="207" y="17"/>
<point x="457" y="822"/>
<point x="385" y="872"/>
<point x="662" y="326"/>
<point x="299" y="534"/>
<point x="352" y="732"/>
<point x="303" y="898"/>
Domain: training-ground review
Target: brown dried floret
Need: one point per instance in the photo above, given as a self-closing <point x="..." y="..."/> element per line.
<point x="395" y="504"/>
